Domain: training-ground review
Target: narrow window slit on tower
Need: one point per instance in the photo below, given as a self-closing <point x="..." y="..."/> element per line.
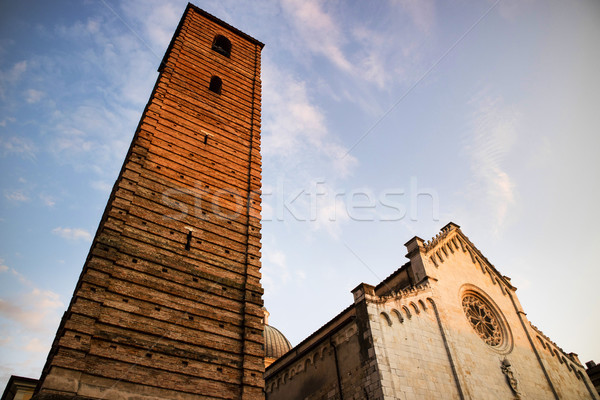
<point x="215" y="84"/>
<point x="205" y="139"/>
<point x="188" y="243"/>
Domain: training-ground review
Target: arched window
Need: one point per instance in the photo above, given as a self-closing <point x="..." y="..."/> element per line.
<point x="215" y="84"/>
<point x="222" y="45"/>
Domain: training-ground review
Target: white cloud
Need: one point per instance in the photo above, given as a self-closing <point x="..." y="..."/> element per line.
<point x="275" y="273"/>
<point x="331" y="214"/>
<point x="318" y="31"/>
<point x="35" y="345"/>
<point x="12" y="76"/>
<point x="33" y="96"/>
<point x="493" y="133"/>
<point x="28" y="320"/>
<point x="295" y="125"/>
<point x="16" y="196"/>
<point x="101" y="186"/>
<point x="72" y="233"/>
<point x="23" y="147"/>
<point x="6" y="120"/>
<point x="17" y="70"/>
<point x="33" y="309"/>
<point x="49" y="201"/>
<point x="158" y="19"/>
<point x="422" y="13"/>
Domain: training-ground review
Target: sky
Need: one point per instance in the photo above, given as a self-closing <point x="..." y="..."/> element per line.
<point x="380" y="121"/>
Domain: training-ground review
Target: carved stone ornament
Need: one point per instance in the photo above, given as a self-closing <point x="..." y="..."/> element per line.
<point x="483" y="320"/>
<point x="510" y="377"/>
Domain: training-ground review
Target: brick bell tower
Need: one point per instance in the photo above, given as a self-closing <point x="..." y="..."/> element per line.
<point x="169" y="302"/>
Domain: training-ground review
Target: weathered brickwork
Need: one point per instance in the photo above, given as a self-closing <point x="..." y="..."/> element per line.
<point x="447" y="325"/>
<point x="169" y="302"/>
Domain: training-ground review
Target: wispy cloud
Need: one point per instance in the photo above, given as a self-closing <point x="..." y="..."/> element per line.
<point x="101" y="186"/>
<point x="493" y="132"/>
<point x="295" y="125"/>
<point x="155" y="20"/>
<point x="17" y="196"/>
<point x="72" y="233"/>
<point x="422" y="13"/>
<point x="277" y="274"/>
<point x="49" y="201"/>
<point x="21" y="146"/>
<point x="33" y="307"/>
<point x="318" y="30"/>
<point x="33" y="96"/>
<point x="11" y="76"/>
<point x="6" y="120"/>
<point x="28" y="320"/>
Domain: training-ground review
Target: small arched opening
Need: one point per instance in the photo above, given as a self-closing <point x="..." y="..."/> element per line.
<point x="215" y="84"/>
<point x="222" y="45"/>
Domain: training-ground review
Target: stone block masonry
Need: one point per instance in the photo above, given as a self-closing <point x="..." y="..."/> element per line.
<point x="169" y="302"/>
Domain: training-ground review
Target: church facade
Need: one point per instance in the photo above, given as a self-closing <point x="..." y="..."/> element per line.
<point x="446" y="325"/>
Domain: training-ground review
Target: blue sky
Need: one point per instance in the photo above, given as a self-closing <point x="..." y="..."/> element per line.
<point x="381" y="121"/>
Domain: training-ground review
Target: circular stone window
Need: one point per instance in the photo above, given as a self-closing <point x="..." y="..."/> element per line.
<point x="484" y="320"/>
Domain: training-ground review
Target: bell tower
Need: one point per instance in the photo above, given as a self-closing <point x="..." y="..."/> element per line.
<point x="169" y="302"/>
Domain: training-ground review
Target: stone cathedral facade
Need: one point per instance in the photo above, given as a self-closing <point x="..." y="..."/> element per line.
<point x="446" y="325"/>
<point x="169" y="302"/>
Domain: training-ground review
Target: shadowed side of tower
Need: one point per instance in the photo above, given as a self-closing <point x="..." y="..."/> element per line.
<point x="169" y="302"/>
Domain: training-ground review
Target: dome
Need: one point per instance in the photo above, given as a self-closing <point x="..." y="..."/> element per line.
<point x="276" y="344"/>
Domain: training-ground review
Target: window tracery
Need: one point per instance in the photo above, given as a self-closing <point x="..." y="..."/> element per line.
<point x="483" y="320"/>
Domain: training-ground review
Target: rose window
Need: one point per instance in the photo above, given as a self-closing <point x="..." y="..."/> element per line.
<point x="483" y="320"/>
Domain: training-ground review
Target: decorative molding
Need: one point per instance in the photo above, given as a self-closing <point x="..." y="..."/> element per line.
<point x="402" y="294"/>
<point x="311" y="358"/>
<point x="556" y="351"/>
<point x="450" y="239"/>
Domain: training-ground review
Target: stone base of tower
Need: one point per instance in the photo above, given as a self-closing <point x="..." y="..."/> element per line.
<point x="65" y="384"/>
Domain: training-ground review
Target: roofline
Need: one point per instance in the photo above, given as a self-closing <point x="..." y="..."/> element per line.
<point x="12" y="380"/>
<point x="331" y="327"/>
<point x="225" y="25"/>
<point x="392" y="276"/>
<point x="214" y="19"/>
